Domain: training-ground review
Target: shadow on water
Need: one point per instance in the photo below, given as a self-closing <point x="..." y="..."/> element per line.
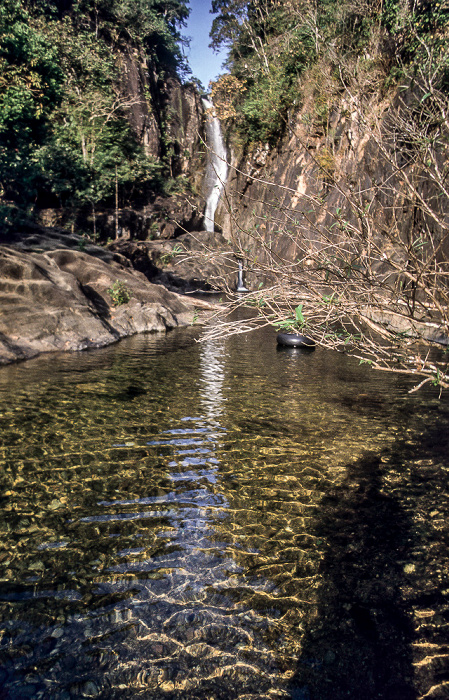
<point x="359" y="643"/>
<point x="161" y="505"/>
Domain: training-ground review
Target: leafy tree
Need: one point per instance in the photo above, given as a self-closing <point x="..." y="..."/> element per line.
<point x="272" y="42"/>
<point x="65" y="135"/>
<point x="268" y="51"/>
<point x="31" y="83"/>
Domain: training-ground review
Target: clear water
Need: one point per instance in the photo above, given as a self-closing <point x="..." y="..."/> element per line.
<point x="220" y="521"/>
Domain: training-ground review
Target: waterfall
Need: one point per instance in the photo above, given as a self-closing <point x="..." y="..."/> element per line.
<point x="217" y="168"/>
<point x="240" y="283"/>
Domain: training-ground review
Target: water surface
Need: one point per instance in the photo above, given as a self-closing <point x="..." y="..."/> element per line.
<point x="220" y="521"/>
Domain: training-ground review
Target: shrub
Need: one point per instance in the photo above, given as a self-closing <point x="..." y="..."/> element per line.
<point x="119" y="293"/>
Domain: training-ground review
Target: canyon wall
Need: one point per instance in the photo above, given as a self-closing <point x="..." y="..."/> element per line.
<point x="323" y="173"/>
<point x="167" y="118"/>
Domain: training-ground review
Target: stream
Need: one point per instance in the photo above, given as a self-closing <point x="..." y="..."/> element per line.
<point x="220" y="521"/>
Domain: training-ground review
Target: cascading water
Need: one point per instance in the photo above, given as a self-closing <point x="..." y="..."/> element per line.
<point x="217" y="168"/>
<point x="240" y="282"/>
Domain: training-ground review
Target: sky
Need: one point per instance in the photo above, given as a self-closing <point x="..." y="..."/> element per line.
<point x="204" y="63"/>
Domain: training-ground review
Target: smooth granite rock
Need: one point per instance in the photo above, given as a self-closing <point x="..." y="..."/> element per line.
<point x="55" y="297"/>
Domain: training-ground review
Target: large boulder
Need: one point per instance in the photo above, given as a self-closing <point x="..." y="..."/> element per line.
<point x="55" y="297"/>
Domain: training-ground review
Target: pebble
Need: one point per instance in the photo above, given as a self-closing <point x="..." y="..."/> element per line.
<point x="329" y="656"/>
<point x="89" y="689"/>
<point x="57" y="633"/>
<point x="55" y="504"/>
<point x="409" y="568"/>
<point x="167" y="686"/>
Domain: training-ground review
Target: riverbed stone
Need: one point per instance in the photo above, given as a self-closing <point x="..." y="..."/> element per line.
<point x="89" y="690"/>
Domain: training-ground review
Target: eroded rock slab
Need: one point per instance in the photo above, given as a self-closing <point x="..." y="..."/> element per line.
<point x="195" y="261"/>
<point x="56" y="298"/>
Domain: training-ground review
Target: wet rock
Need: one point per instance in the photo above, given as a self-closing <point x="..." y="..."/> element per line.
<point x="55" y="504"/>
<point x="28" y="690"/>
<point x="168" y="686"/>
<point x="329" y="656"/>
<point x="89" y="689"/>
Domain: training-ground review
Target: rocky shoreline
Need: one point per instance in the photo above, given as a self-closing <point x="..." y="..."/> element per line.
<point x="54" y="296"/>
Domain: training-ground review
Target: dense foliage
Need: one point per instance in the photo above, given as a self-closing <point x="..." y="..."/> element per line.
<point x="65" y="139"/>
<point x="272" y="42"/>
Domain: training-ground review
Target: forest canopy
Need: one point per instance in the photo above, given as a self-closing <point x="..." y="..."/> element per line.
<point x="65" y="139"/>
<point x="271" y="44"/>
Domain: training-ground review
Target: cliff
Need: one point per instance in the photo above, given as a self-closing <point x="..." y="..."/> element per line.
<point x="320" y="169"/>
<point x="167" y="119"/>
<point x="352" y="207"/>
<point x="99" y="133"/>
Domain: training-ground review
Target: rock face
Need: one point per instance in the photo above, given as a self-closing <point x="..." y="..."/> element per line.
<point x="196" y="261"/>
<point x="271" y="188"/>
<point x="291" y="192"/>
<point x="55" y="297"/>
<point x="168" y="120"/>
<point x="173" y="122"/>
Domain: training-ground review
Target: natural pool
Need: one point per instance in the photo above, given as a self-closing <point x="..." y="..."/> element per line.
<point x="221" y="521"/>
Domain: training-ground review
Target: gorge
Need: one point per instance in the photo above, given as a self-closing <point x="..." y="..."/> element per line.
<point x="335" y="172"/>
<point x="196" y="512"/>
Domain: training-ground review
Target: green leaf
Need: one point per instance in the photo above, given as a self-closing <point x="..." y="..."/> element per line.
<point x="299" y="315"/>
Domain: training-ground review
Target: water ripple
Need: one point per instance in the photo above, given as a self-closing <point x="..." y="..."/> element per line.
<point x="221" y="535"/>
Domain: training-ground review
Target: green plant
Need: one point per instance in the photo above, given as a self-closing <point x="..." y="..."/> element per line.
<point x="330" y="298"/>
<point x="154" y="230"/>
<point x="326" y="161"/>
<point x="119" y="293"/>
<point x="65" y="136"/>
<point x="292" y="324"/>
<point x="168" y="257"/>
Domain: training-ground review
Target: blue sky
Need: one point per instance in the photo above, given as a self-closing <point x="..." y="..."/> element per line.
<point x="204" y="63"/>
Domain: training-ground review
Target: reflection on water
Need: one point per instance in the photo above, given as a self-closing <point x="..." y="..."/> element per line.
<point x="216" y="521"/>
<point x="212" y="369"/>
